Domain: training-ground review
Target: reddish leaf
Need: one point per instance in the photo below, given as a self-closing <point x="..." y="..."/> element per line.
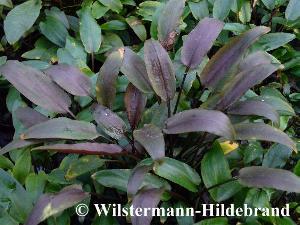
<point x="229" y="55"/>
<point x="71" y="79"/>
<point x="196" y="120"/>
<point x="160" y="70"/>
<point x="29" y="117"/>
<point x="84" y="148"/>
<point x="136" y="178"/>
<point x="17" y="144"/>
<point x="36" y="86"/>
<point x="135" y="103"/>
<point x="51" y="204"/>
<point x="106" y="82"/>
<point x="199" y="41"/>
<point x="135" y="70"/>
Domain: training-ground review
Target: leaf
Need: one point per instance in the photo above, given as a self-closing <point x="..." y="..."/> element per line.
<point x="269" y="42"/>
<point x="138" y="27"/>
<point x="214" y="171"/>
<point x="168" y="21"/>
<point x="6" y="3"/>
<point x="114" y="5"/>
<point x="292" y="11"/>
<point x="145" y="199"/>
<point x="221" y="9"/>
<point x="270" y="4"/>
<point x="22" y="166"/>
<point x="254" y="107"/>
<point x="199" y="41"/>
<point x="213" y="221"/>
<point x="62" y="128"/>
<point x="54" y="30"/>
<point x="199" y="9"/>
<point x="106" y="82"/>
<point x="35" y="184"/>
<point x="276" y="156"/>
<point x="17" y="144"/>
<point x="71" y="79"/>
<point x="36" y="86"/>
<point x="20" y="19"/>
<point x="245" y="12"/>
<point x="51" y="204"/>
<point x="114" y="25"/>
<point x="135" y="103"/>
<point x="261" y="177"/>
<point x="263" y="132"/>
<point x="178" y="172"/>
<point x="90" y="31"/>
<point x="84" y="148"/>
<point x="29" y="117"/>
<point x="229" y="55"/>
<point x="135" y="70"/>
<point x="152" y="139"/>
<point x="195" y="120"/>
<point x="160" y="70"/>
<point x="136" y="178"/>
<point x="110" y="122"/>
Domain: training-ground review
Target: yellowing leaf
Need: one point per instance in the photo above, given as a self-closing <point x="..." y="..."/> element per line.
<point x="228" y="146"/>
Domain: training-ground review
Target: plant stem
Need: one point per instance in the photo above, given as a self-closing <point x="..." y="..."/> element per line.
<point x="181" y="89"/>
<point x="222" y="183"/>
<point x="169" y="107"/>
<point x="93" y="61"/>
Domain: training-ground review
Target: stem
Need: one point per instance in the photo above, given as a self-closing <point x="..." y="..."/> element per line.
<point x="169" y="107"/>
<point x="93" y="61"/>
<point x="181" y="89"/>
<point x="220" y="184"/>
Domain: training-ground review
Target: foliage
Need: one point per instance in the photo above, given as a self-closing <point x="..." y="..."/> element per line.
<point x="168" y="103"/>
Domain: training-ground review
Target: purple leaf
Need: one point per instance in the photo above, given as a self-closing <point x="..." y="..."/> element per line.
<point x="29" y="117"/>
<point x="36" y="86"/>
<point x="135" y="103"/>
<point x="136" y="178"/>
<point x="160" y="70"/>
<point x="263" y="132"/>
<point x="62" y="128"/>
<point x="254" y="107"/>
<point x="262" y="177"/>
<point x="255" y="59"/>
<point x="199" y="41"/>
<point x="196" y="120"/>
<point x="51" y="204"/>
<point x="106" y="82"/>
<point x="16" y="144"/>
<point x="145" y="199"/>
<point x="110" y="122"/>
<point x="152" y="139"/>
<point x="168" y="22"/>
<point x="229" y="55"/>
<point x="135" y="70"/>
<point x="71" y="79"/>
<point x="84" y="148"/>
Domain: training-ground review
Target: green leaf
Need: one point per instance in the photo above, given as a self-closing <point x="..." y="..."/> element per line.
<point x="6" y="3"/>
<point x="22" y="166"/>
<point x="114" y="25"/>
<point x="270" y="4"/>
<point x="277" y="156"/>
<point x="214" y="171"/>
<point x="221" y="9"/>
<point x="214" y="221"/>
<point x="272" y="41"/>
<point x="20" y="19"/>
<point x="245" y="12"/>
<point x="114" y="5"/>
<point x="98" y="10"/>
<point x="5" y="163"/>
<point x="292" y="11"/>
<point x="199" y="9"/>
<point x="178" y="172"/>
<point x="35" y="184"/>
<point x="138" y="27"/>
<point x="90" y="31"/>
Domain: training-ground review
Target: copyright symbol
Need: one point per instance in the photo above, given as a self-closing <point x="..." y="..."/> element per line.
<point x="82" y="209"/>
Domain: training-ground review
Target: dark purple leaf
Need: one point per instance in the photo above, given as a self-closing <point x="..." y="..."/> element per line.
<point x="255" y="59"/>
<point x="29" y="117"/>
<point x="51" y="204"/>
<point x="84" y="148"/>
<point x="262" y="177"/>
<point x="263" y="132"/>
<point x="160" y="70"/>
<point x="168" y="22"/>
<point x="135" y="103"/>
<point x="152" y="139"/>
<point x="196" y="120"/>
<point x="71" y="79"/>
<point x="199" y="41"/>
<point x="254" y="107"/>
<point x="145" y="199"/>
<point x="36" y="86"/>
<point x="106" y="82"/>
<point x="135" y="70"/>
<point x="62" y="128"/>
<point x="136" y="178"/>
<point x="229" y="55"/>
<point x="110" y="122"/>
<point x="17" y="144"/>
